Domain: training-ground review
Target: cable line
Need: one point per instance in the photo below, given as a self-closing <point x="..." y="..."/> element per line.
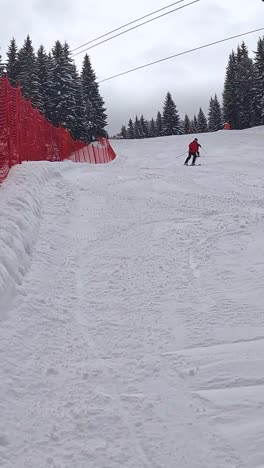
<point x="135" y="27"/>
<point x="179" y="54"/>
<point x="128" y="24"/>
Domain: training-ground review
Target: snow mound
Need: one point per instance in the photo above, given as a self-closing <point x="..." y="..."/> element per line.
<point x="20" y="213"/>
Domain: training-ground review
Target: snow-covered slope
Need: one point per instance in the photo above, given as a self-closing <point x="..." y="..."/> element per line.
<point x="131" y="309"/>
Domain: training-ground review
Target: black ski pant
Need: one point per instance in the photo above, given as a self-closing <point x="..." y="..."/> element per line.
<point x="193" y="155"/>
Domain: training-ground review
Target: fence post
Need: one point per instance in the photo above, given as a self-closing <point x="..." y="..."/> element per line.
<point x="18" y="122"/>
<point x="35" y="132"/>
<point x="94" y="154"/>
<point x="61" y="145"/>
<point x="8" y="121"/>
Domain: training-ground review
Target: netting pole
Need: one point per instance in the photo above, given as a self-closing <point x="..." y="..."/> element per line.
<point x="8" y="121"/>
<point x="94" y="152"/>
<point x="18" y="122"/>
<point x="61" y="145"/>
<point x="35" y="133"/>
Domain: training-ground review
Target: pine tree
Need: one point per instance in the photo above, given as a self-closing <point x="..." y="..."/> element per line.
<point x="258" y="99"/>
<point x="137" y="128"/>
<point x="94" y="104"/>
<point x="218" y="114"/>
<point x="2" y="67"/>
<point x="81" y="123"/>
<point x="61" y="109"/>
<point x="152" y="128"/>
<point x="42" y="72"/>
<point x="245" y="84"/>
<point x="159" y="125"/>
<point x="78" y="110"/>
<point x="49" y="105"/>
<point x="230" y="92"/>
<point x="124" y="132"/>
<point x="202" y="122"/>
<point x="187" y="125"/>
<point x="57" y="87"/>
<point x="12" y="64"/>
<point x="27" y="75"/>
<point x="211" y="116"/>
<point x="181" y="127"/>
<point x="130" y="130"/>
<point x="171" y="119"/>
<point x="144" y="127"/>
<point x="194" y="124"/>
<point x="214" y="115"/>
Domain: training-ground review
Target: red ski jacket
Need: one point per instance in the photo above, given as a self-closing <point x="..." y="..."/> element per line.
<point x="194" y="147"/>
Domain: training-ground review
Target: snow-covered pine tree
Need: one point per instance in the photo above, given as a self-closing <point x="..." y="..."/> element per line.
<point x="218" y="114"/>
<point x="171" y="119"/>
<point x="79" y="129"/>
<point x="94" y="104"/>
<point x="130" y="130"/>
<point x="245" y="87"/>
<point x="230" y="103"/>
<point x="159" y="125"/>
<point x="201" y="122"/>
<point x="50" y="88"/>
<point x="12" y="65"/>
<point x="62" y="104"/>
<point x="211" y="116"/>
<point x="182" y="127"/>
<point x="124" y="132"/>
<point x="152" y="128"/>
<point x="194" y="124"/>
<point x="27" y="75"/>
<point x="42" y="72"/>
<point x="187" y="125"/>
<point x="144" y="127"/>
<point x="258" y="100"/>
<point x="214" y="115"/>
<point x="137" y="128"/>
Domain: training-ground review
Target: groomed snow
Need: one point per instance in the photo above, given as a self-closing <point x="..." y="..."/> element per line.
<point x="131" y="309"/>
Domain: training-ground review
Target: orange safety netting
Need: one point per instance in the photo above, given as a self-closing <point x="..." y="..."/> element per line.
<point x="25" y="135"/>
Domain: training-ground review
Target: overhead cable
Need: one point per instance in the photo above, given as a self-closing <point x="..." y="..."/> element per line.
<point x="127" y="24"/>
<point x="135" y="27"/>
<point x="181" y="53"/>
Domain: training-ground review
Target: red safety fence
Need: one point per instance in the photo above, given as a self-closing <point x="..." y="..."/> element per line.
<point x="100" y="152"/>
<point x="25" y="135"/>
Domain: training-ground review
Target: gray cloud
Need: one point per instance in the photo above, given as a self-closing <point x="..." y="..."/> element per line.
<point x="53" y="7"/>
<point x="191" y="78"/>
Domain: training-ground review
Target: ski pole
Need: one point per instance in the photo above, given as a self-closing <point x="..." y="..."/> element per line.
<point x="203" y="149"/>
<point x="181" y="155"/>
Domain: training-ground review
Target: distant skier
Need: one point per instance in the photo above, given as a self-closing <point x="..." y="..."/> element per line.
<point x="193" y="152"/>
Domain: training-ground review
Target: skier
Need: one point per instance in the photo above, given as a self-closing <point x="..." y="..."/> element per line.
<point x="193" y="152"/>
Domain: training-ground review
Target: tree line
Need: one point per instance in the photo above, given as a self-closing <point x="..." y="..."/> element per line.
<point x="242" y="102"/>
<point x="52" y="82"/>
<point x="169" y="123"/>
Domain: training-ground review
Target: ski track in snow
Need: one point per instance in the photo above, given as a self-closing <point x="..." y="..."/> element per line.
<point x="133" y="333"/>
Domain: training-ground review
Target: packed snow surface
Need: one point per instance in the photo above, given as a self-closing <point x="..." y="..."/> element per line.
<point x="131" y="308"/>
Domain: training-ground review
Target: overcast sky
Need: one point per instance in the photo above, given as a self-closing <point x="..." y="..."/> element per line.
<point x="191" y="78"/>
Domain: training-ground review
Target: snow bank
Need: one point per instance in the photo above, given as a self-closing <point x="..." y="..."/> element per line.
<point x="20" y="213"/>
